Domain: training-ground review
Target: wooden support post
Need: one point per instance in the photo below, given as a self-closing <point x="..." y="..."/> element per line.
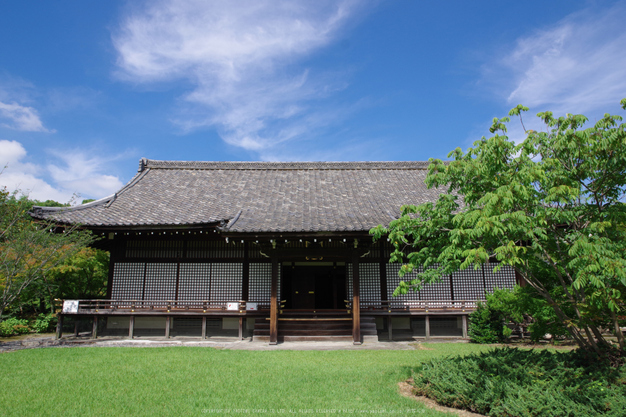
<point x="427" y="326"/>
<point x="274" y="304"/>
<point x="382" y="270"/>
<point x="75" y="326"/>
<point x="203" y="327"/>
<point x="245" y="273"/>
<point x="167" y="326"/>
<point x="59" y="326"/>
<point x="464" y="326"/>
<point x="131" y="327"/>
<point x="240" y="328"/>
<point x="356" y="300"/>
<point x="390" y="328"/>
<point x="94" y="329"/>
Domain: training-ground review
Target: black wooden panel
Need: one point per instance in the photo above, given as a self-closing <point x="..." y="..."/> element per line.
<point x="154" y="249"/>
<point x="214" y="249"/>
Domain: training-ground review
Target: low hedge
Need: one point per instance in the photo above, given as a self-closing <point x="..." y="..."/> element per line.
<point x="14" y="326"/>
<point x="513" y="382"/>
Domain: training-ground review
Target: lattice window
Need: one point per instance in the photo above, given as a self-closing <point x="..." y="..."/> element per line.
<point x="226" y="281"/>
<point x="260" y="283"/>
<point x="127" y="281"/>
<point x="468" y="284"/>
<point x="437" y="290"/>
<point x="369" y="280"/>
<point x="154" y="249"/>
<point x="194" y="283"/>
<point x="393" y="280"/>
<point x="504" y="278"/>
<point x="160" y="282"/>
<point x="214" y="249"/>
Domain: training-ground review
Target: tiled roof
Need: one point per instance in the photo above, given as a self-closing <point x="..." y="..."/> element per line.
<point x="257" y="196"/>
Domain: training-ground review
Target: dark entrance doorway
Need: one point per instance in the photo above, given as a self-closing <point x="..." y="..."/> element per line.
<point x="314" y="286"/>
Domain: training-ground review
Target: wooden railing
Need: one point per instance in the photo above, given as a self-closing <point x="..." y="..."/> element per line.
<point x="99" y="305"/>
<point x="200" y="306"/>
<point x="424" y="305"/>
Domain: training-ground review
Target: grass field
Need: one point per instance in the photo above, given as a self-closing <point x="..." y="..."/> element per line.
<point x="183" y="381"/>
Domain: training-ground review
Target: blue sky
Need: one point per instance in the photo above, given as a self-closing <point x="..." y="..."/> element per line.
<point x="88" y="88"/>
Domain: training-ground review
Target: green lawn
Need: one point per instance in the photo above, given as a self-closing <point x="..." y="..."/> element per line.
<point x="203" y="381"/>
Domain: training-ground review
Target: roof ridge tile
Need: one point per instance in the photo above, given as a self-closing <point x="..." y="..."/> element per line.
<point x="257" y="165"/>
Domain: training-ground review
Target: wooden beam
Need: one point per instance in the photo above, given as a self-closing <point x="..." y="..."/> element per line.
<point x="245" y="273"/>
<point x="464" y="326"/>
<point x="167" y="326"/>
<point x="390" y="328"/>
<point x="356" y="300"/>
<point x="382" y="270"/>
<point x="427" y="326"/>
<point x="240" y="328"/>
<point x="274" y="304"/>
<point x="203" y="327"/>
<point x="75" y="326"/>
<point x="131" y="327"/>
<point x="113" y="256"/>
<point x="59" y="326"/>
<point x="94" y="329"/>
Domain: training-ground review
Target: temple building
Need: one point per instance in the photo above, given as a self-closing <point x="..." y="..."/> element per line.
<point x="271" y="251"/>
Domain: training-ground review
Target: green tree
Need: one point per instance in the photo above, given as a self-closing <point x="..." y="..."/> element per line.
<point x="30" y="250"/>
<point x="551" y="206"/>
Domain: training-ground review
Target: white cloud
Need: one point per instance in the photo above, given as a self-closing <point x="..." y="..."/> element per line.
<point x="577" y="65"/>
<point x="77" y="174"/>
<point x="82" y="173"/>
<point x="240" y="58"/>
<point x="21" y="118"/>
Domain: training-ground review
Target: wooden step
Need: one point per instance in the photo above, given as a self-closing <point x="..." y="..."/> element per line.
<point x="308" y="328"/>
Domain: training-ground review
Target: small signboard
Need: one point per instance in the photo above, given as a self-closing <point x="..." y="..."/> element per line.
<point x="251" y="306"/>
<point x="232" y="306"/>
<point x="70" y="306"/>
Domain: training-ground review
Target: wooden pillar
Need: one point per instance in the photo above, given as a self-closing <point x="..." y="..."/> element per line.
<point x="390" y="328"/>
<point x="131" y="327"/>
<point x="76" y="327"/>
<point x="167" y="326"/>
<point x="59" y="326"/>
<point x="356" y="300"/>
<point x="464" y="326"/>
<point x="274" y="304"/>
<point x="203" y="327"/>
<point x="382" y="270"/>
<point x="519" y="279"/>
<point x="240" y="328"/>
<point x="245" y="273"/>
<point x="427" y="326"/>
<point x="94" y="329"/>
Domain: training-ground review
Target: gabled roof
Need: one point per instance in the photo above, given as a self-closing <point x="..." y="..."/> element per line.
<point x="257" y="196"/>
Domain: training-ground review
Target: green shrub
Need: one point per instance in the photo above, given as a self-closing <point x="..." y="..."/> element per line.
<point x="512" y="382"/>
<point x="13" y="326"/>
<point x="44" y="323"/>
<point x="487" y="322"/>
<point x="486" y="325"/>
